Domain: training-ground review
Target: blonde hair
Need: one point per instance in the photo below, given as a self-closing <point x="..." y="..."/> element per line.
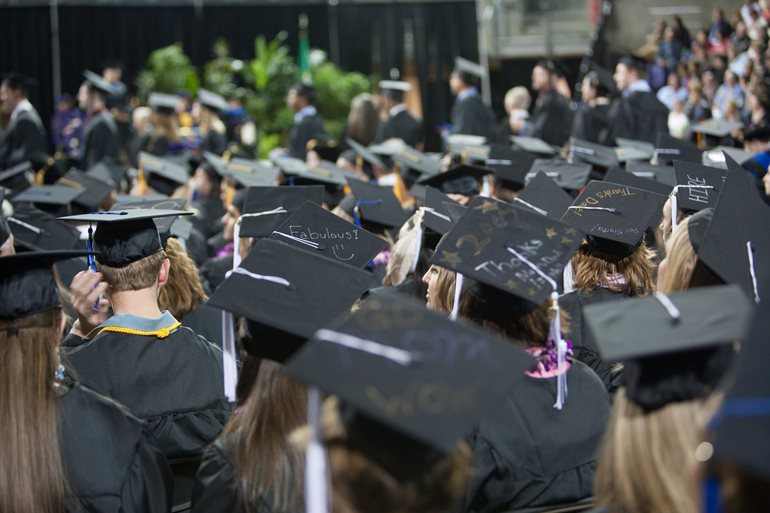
<point x="183" y="291"/>
<point x="445" y="289"/>
<point x="683" y="268"/>
<point x="164" y="125"/>
<point x="592" y="270"/>
<point x="647" y="462"/>
<point x="137" y="275"/>
<point x="210" y="121"/>
<point x="517" y="98"/>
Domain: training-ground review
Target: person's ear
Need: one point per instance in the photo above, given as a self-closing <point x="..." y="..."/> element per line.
<point x="165" y="269"/>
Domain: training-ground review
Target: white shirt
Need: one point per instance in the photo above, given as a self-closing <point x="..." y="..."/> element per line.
<point x="398" y="109"/>
<point x="638" y="86"/>
<point x="23" y="106"/>
<point x="305" y="112"/>
<point x="465" y="93"/>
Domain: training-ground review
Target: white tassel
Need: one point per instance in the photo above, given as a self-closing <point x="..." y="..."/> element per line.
<point x="456" y="305"/>
<point x="561" y="352"/>
<point x="237" y="243"/>
<point x="229" y="364"/>
<point x="416" y="246"/>
<point x="674" y="200"/>
<point x="750" y="252"/>
<point x="486" y="188"/>
<point x="316" y="500"/>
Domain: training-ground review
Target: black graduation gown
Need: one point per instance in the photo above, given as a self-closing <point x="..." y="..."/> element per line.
<point x="206" y="321"/>
<point x="111" y="461"/>
<point x="529" y="454"/>
<point x="310" y="127"/>
<point x="402" y="126"/>
<point x="552" y="119"/>
<point x="583" y="343"/>
<point x="590" y="123"/>
<point x="101" y="142"/>
<point x="24" y="138"/>
<point x="174" y="384"/>
<point x="127" y="135"/>
<point x="470" y="116"/>
<point x="213" y="271"/>
<point x="156" y="146"/>
<point x="214" y="142"/>
<point x="208" y="219"/>
<point x="639" y="116"/>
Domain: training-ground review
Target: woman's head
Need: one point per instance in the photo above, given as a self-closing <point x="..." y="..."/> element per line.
<point x="633" y="274"/>
<point x="206" y="180"/>
<point x="165" y="124"/>
<point x="681" y="269"/>
<point x="183" y="291"/>
<point x="363" y="119"/>
<point x="441" y="288"/>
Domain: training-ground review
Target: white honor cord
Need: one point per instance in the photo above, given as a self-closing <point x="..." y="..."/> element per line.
<point x="605" y="209"/>
<point x="316" y="499"/>
<point x="675" y="200"/>
<point x="530" y="205"/>
<point x="456" y="304"/>
<point x="273" y="279"/>
<point x="394" y="354"/>
<point x="306" y="242"/>
<point x="229" y="365"/>
<point x="750" y="253"/>
<point x="669" y="305"/>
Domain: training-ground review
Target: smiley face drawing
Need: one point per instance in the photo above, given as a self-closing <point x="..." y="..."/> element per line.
<point x="338" y="250"/>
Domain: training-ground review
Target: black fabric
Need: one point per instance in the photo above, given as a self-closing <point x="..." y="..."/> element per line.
<point x="101" y="142"/>
<point x="25" y="139"/>
<point x="470" y="116"/>
<point x="174" y="384"/>
<point x="310" y="127"/>
<point x="208" y="219"/>
<point x="120" y="244"/>
<point x="584" y="344"/>
<point x="551" y="119"/>
<point x="402" y="126"/>
<point x="206" y="321"/>
<point x="590" y="123"/>
<point x="212" y="272"/>
<point x="529" y="454"/>
<point x="639" y="116"/>
<point x="215" y="142"/>
<point x="216" y="486"/>
<point x="127" y="473"/>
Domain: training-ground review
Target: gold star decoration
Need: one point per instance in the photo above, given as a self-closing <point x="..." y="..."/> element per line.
<point x="532" y="291"/>
<point x="550" y="233"/>
<point x="566" y="241"/>
<point x="451" y="257"/>
<point x="511" y="284"/>
<point x="487" y="206"/>
<point x="570" y="231"/>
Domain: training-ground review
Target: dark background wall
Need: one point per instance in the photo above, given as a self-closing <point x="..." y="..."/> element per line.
<point x="369" y="37"/>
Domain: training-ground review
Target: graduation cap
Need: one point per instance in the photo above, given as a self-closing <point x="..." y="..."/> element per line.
<point x="35" y="230"/>
<point x="17" y="80"/>
<point x="163" y="175"/>
<point x="500" y="245"/>
<point x="742" y="424"/>
<point x="15" y="178"/>
<point x="544" y="196"/>
<point x="604" y="78"/>
<point x="510" y="166"/>
<point x="469" y="146"/>
<point x="165" y="103"/>
<point x="395" y="89"/>
<point x="388" y="148"/>
<point x="617" y="175"/>
<point x="570" y="177"/>
<point x="533" y="145"/>
<point x="366" y="154"/>
<point x="212" y="100"/>
<point x="371" y="366"/>
<point x="717" y="157"/>
<point x="437" y="205"/>
<point x="93" y="191"/>
<point x="112" y="174"/>
<point x="632" y="149"/>
<point x="670" y="343"/>
<point x="670" y="148"/>
<point x="697" y="186"/>
<point x="469" y="67"/>
<point x="614" y="216"/>
<point x="51" y="198"/>
<point x="287" y="294"/>
<point x="167" y="226"/>
<point x="376" y="204"/>
<point x="27" y="283"/>
<point x="736" y="245"/>
<point x="125" y="236"/>
<point x="662" y="174"/>
<point x="595" y="154"/>
<point x="266" y="208"/>
<point x="462" y="179"/>
<point x="98" y="83"/>
<point x="717" y="127"/>
<point x="324" y="173"/>
<point x="415" y="164"/>
<point x="317" y="230"/>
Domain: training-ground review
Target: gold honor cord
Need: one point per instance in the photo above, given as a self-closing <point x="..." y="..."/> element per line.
<point x="161" y="333"/>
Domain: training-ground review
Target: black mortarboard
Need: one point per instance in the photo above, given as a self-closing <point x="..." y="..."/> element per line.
<point x="394" y="89"/>
<point x="376" y="204"/>
<point x="51" y="198"/>
<point x="533" y="145"/>
<point x="98" y="83"/>
<point x="717" y="127"/>
<point x="595" y="154"/>
<point x="372" y="366"/>
<point x="162" y="102"/>
<point x="662" y="174"/>
<point x="127" y="198"/>
<point x="366" y="154"/>
<point x="669" y="343"/>
<point x="462" y="179"/>
<point x="632" y="149"/>
<point x="669" y="148"/>
<point x="167" y="226"/>
<point x="17" y="81"/>
<point x="315" y="229"/>
<point x="36" y="230"/>
<point x="544" y="196"/>
<point x="698" y="186"/>
<point x="472" y="148"/>
<point x="743" y="421"/>
<point x="634" y="62"/>
<point x="93" y="191"/>
<point x="162" y="174"/>
<point x="570" y="177"/>
<point x="697" y="226"/>
<point x="737" y="155"/>
<point x="737" y="245"/>
<point x="415" y="164"/>
<point x="212" y="100"/>
<point x="760" y="133"/>
<point x="267" y="208"/>
<point x="110" y="173"/>
<point x="604" y="78"/>
<point x="617" y="175"/>
<point x="510" y="166"/>
<point x="488" y="243"/>
<point x="324" y="173"/>
<point x="287" y="294"/>
<point x="436" y="217"/>
<point x="614" y="216"/>
<point x="469" y="67"/>
<point x="15" y="178"/>
<point x="27" y="283"/>
<point x="125" y="236"/>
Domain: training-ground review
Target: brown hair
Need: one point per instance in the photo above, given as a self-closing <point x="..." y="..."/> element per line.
<point x="647" y="461"/>
<point x="742" y="491"/>
<point x="363" y="119"/>
<point x="683" y="268"/>
<point x="210" y="121"/>
<point x="32" y="478"/>
<point x="591" y="269"/>
<point x="137" y="275"/>
<point x="164" y="125"/>
<point x="183" y="292"/>
<point x="445" y="289"/>
<point x="267" y="465"/>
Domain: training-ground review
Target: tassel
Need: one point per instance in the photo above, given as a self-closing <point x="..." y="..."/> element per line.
<point x="229" y="365"/>
<point x="554" y="335"/>
<point x="91" y="262"/>
<point x="237" y="243"/>
<point x="486" y="188"/>
<point x="316" y="500"/>
<point x="142" y="180"/>
<point x="456" y="304"/>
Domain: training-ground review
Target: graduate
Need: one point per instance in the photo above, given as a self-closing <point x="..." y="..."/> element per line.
<point x="73" y="449"/>
<point x="307" y="121"/>
<point x="25" y="136"/>
<point x="469" y="114"/>
<point x="184" y="413"/>
<point x="101" y="141"/>
<point x="212" y="129"/>
<point x="400" y="123"/>
<point x="552" y="119"/>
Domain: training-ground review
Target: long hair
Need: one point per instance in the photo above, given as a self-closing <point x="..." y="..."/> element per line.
<point x="164" y="125"/>
<point x="268" y="467"/>
<point x="210" y="122"/>
<point x="183" y="291"/>
<point x="363" y="119"/>
<point x="647" y="461"/>
<point x="683" y="269"/>
<point x="593" y="270"/>
<point x="32" y="478"/>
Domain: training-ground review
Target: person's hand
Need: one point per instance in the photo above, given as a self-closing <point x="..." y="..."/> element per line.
<point x="86" y="289"/>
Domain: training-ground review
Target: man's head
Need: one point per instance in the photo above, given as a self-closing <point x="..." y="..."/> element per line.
<point x="91" y="99"/>
<point x="542" y="76"/>
<point x="13" y="89"/>
<point x="147" y="273"/>
<point x="112" y="71"/>
<point x="300" y="96"/>
<point x="629" y="70"/>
